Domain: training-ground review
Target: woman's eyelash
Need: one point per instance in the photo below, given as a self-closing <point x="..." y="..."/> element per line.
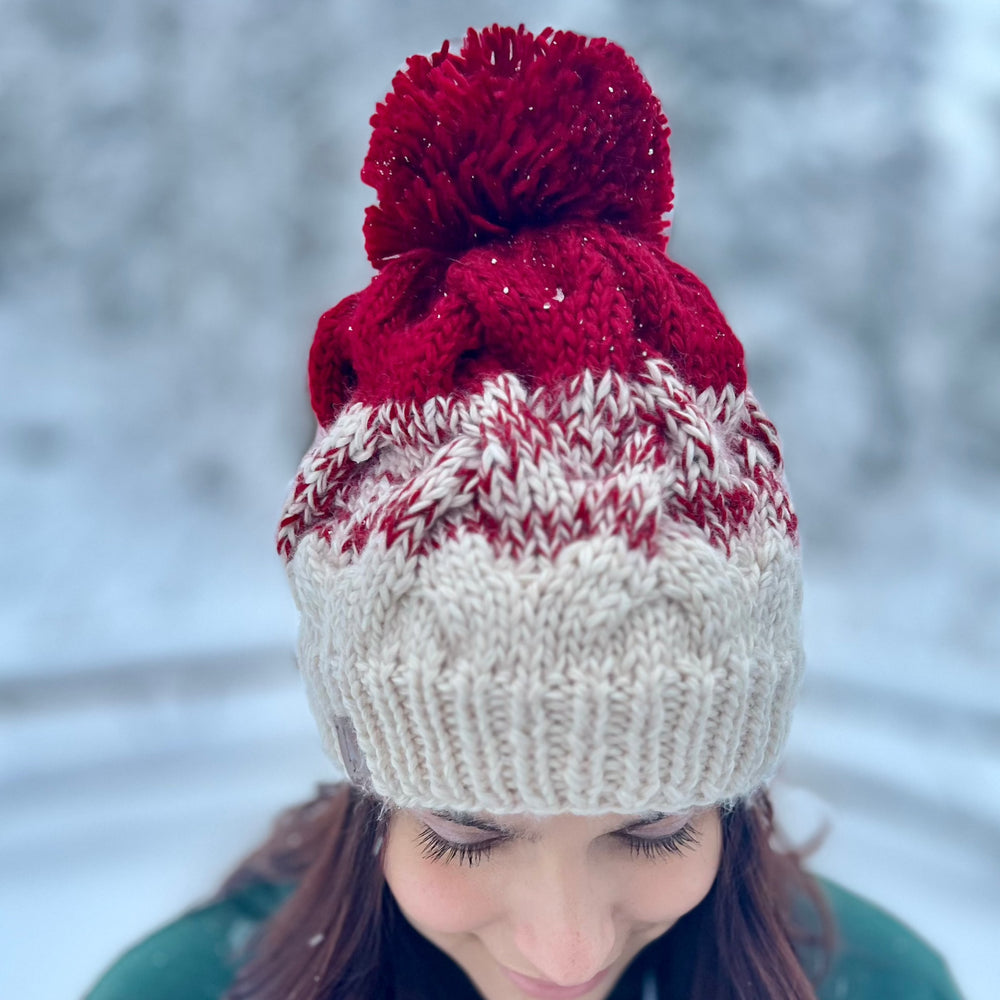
<point x="436" y="848"/>
<point x="658" y="847"/>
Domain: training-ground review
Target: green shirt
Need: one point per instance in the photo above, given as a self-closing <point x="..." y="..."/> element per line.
<point x="196" y="956"/>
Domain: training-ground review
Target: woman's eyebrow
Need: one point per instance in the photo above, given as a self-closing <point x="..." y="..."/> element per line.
<point x="646" y="820"/>
<point x="476" y="822"/>
<point x="470" y="819"/>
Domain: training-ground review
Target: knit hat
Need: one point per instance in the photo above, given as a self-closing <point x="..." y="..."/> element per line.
<point x="542" y="548"/>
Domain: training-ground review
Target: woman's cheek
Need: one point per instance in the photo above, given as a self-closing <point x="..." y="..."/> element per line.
<point x="663" y="895"/>
<point x="436" y="896"/>
<point x="665" y="890"/>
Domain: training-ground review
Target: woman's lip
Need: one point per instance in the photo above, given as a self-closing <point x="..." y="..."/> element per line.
<point x="544" y="990"/>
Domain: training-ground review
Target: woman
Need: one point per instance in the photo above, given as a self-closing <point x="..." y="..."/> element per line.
<point x="549" y="584"/>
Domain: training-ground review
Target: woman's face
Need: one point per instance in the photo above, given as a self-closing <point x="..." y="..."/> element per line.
<point x="551" y="908"/>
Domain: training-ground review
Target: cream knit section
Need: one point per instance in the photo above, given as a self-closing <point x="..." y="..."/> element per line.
<point x="602" y="679"/>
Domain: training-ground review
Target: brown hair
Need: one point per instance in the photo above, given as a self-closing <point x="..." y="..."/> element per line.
<point x="763" y="931"/>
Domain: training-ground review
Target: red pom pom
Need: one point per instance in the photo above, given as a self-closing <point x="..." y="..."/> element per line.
<point x="515" y="131"/>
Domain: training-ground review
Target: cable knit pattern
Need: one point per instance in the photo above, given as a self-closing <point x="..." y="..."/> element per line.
<point x="542" y="547"/>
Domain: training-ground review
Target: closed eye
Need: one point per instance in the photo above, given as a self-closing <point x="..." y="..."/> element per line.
<point x="437" y="848"/>
<point x="663" y="846"/>
<point x="472" y="845"/>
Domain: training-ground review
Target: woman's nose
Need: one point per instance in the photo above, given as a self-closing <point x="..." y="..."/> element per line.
<point x="565" y="932"/>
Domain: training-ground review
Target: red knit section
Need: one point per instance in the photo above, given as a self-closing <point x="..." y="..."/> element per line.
<point x="545" y="304"/>
<point x="522" y="186"/>
<point x="331" y="374"/>
<point x="515" y="131"/>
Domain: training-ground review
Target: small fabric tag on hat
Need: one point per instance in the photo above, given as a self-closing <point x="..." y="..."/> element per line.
<point x="350" y="752"/>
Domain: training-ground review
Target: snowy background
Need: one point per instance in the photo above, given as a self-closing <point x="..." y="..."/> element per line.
<point x="179" y="201"/>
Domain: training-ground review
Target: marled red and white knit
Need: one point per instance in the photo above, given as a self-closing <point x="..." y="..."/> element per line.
<point x="542" y="548"/>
